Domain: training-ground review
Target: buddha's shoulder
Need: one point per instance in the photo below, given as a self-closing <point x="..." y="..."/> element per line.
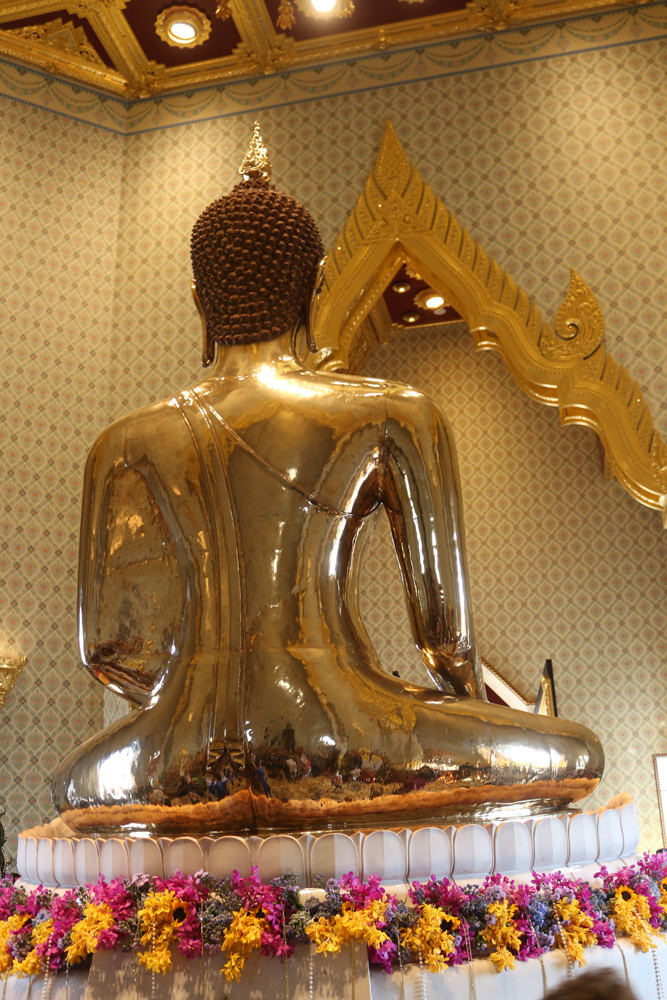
<point x="162" y="416"/>
<point x="361" y="386"/>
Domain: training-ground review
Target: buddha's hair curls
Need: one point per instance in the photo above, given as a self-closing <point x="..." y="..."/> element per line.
<point x="253" y="252"/>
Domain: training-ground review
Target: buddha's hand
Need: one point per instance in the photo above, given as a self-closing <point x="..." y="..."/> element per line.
<point x="458" y="674"/>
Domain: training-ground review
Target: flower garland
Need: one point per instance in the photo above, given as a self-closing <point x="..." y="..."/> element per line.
<point x="41" y="932"/>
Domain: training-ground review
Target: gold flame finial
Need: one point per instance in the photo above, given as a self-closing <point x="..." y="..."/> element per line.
<point x="256" y="160"/>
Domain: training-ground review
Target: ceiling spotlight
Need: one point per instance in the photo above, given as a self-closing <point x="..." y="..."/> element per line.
<point x="401" y="286"/>
<point x="411" y="317"/>
<point x="429" y="299"/>
<point x="182" y="32"/>
<point x="321" y="9"/>
<point x="184" y="27"/>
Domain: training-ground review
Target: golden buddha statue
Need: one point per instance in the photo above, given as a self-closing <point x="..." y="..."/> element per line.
<point x="219" y="558"/>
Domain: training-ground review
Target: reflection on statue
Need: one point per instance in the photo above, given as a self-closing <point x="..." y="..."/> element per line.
<point x="218" y="585"/>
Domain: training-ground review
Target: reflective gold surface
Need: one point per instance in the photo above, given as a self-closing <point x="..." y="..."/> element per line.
<point x="220" y="547"/>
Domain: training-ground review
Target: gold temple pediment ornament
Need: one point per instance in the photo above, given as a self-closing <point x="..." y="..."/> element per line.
<point x="399" y="220"/>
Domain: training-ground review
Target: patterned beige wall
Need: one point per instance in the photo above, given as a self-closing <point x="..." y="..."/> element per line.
<point x="549" y="163"/>
<point x="59" y="201"/>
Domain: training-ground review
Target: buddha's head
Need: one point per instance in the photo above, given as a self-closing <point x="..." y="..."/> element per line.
<point x="254" y="253"/>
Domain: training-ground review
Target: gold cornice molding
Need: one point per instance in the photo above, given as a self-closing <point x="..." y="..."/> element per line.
<point x="262" y="50"/>
<point x="398" y="219"/>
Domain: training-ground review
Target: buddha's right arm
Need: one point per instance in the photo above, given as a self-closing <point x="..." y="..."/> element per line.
<point x="422" y="495"/>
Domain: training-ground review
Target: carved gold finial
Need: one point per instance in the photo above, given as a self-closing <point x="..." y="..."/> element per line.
<point x="256" y="159"/>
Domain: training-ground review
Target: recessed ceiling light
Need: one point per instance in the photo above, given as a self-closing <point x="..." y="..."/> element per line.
<point x="323" y="9"/>
<point x="183" y="27"/>
<point x="182" y="31"/>
<point x="428" y="298"/>
<point x="401" y="286"/>
<point x="411" y="317"/>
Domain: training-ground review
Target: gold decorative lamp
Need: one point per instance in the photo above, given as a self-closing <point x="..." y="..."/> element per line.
<point x="10" y="668"/>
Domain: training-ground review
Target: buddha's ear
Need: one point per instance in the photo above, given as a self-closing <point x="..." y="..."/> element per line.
<point x="313" y="289"/>
<point x="208" y="350"/>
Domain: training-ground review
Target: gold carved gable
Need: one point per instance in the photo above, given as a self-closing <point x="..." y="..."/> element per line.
<point x="62" y="35"/>
<point x="397" y="220"/>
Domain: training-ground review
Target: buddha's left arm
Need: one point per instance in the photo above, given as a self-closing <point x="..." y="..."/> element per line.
<point x="421" y="492"/>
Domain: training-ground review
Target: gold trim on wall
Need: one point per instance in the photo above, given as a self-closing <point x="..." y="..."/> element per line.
<point x="398" y="219"/>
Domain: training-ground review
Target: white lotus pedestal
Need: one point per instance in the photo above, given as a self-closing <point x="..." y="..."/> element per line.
<point x="580" y="842"/>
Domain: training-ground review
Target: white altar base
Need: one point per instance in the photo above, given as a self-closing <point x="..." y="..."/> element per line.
<point x="112" y="977"/>
<point x="525" y="981"/>
<point x="577" y="842"/>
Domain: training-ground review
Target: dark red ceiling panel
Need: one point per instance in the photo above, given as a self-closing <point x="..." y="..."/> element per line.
<point x="367" y="14"/>
<point x="141" y="16"/>
<point x="402" y="304"/>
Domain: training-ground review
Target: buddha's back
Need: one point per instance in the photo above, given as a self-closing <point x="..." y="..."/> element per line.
<point x="218" y="586"/>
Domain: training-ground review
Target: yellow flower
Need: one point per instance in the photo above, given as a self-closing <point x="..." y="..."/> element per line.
<point x="97" y="917"/>
<point x="243" y="935"/>
<point x="159" y="926"/>
<point x="502" y="959"/>
<point x="428" y="939"/>
<point x="663" y="893"/>
<point x="631" y="914"/>
<point x="14" y="923"/>
<point x="32" y="963"/>
<point x="502" y="934"/>
<point x="576" y="933"/>
<point x="331" y="933"/>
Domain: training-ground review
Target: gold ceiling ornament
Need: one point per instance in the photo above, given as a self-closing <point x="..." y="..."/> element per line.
<point x="256" y="160"/>
<point x="10" y="668"/>
<point x="286" y="15"/>
<point x="147" y="81"/>
<point x="182" y="27"/>
<point x="265" y="60"/>
<point x="399" y="220"/>
<point x="494" y="15"/>
<point x="59" y="34"/>
<point x="223" y="10"/>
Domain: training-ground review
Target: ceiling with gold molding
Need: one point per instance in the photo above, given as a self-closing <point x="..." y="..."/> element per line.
<point x="113" y="45"/>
